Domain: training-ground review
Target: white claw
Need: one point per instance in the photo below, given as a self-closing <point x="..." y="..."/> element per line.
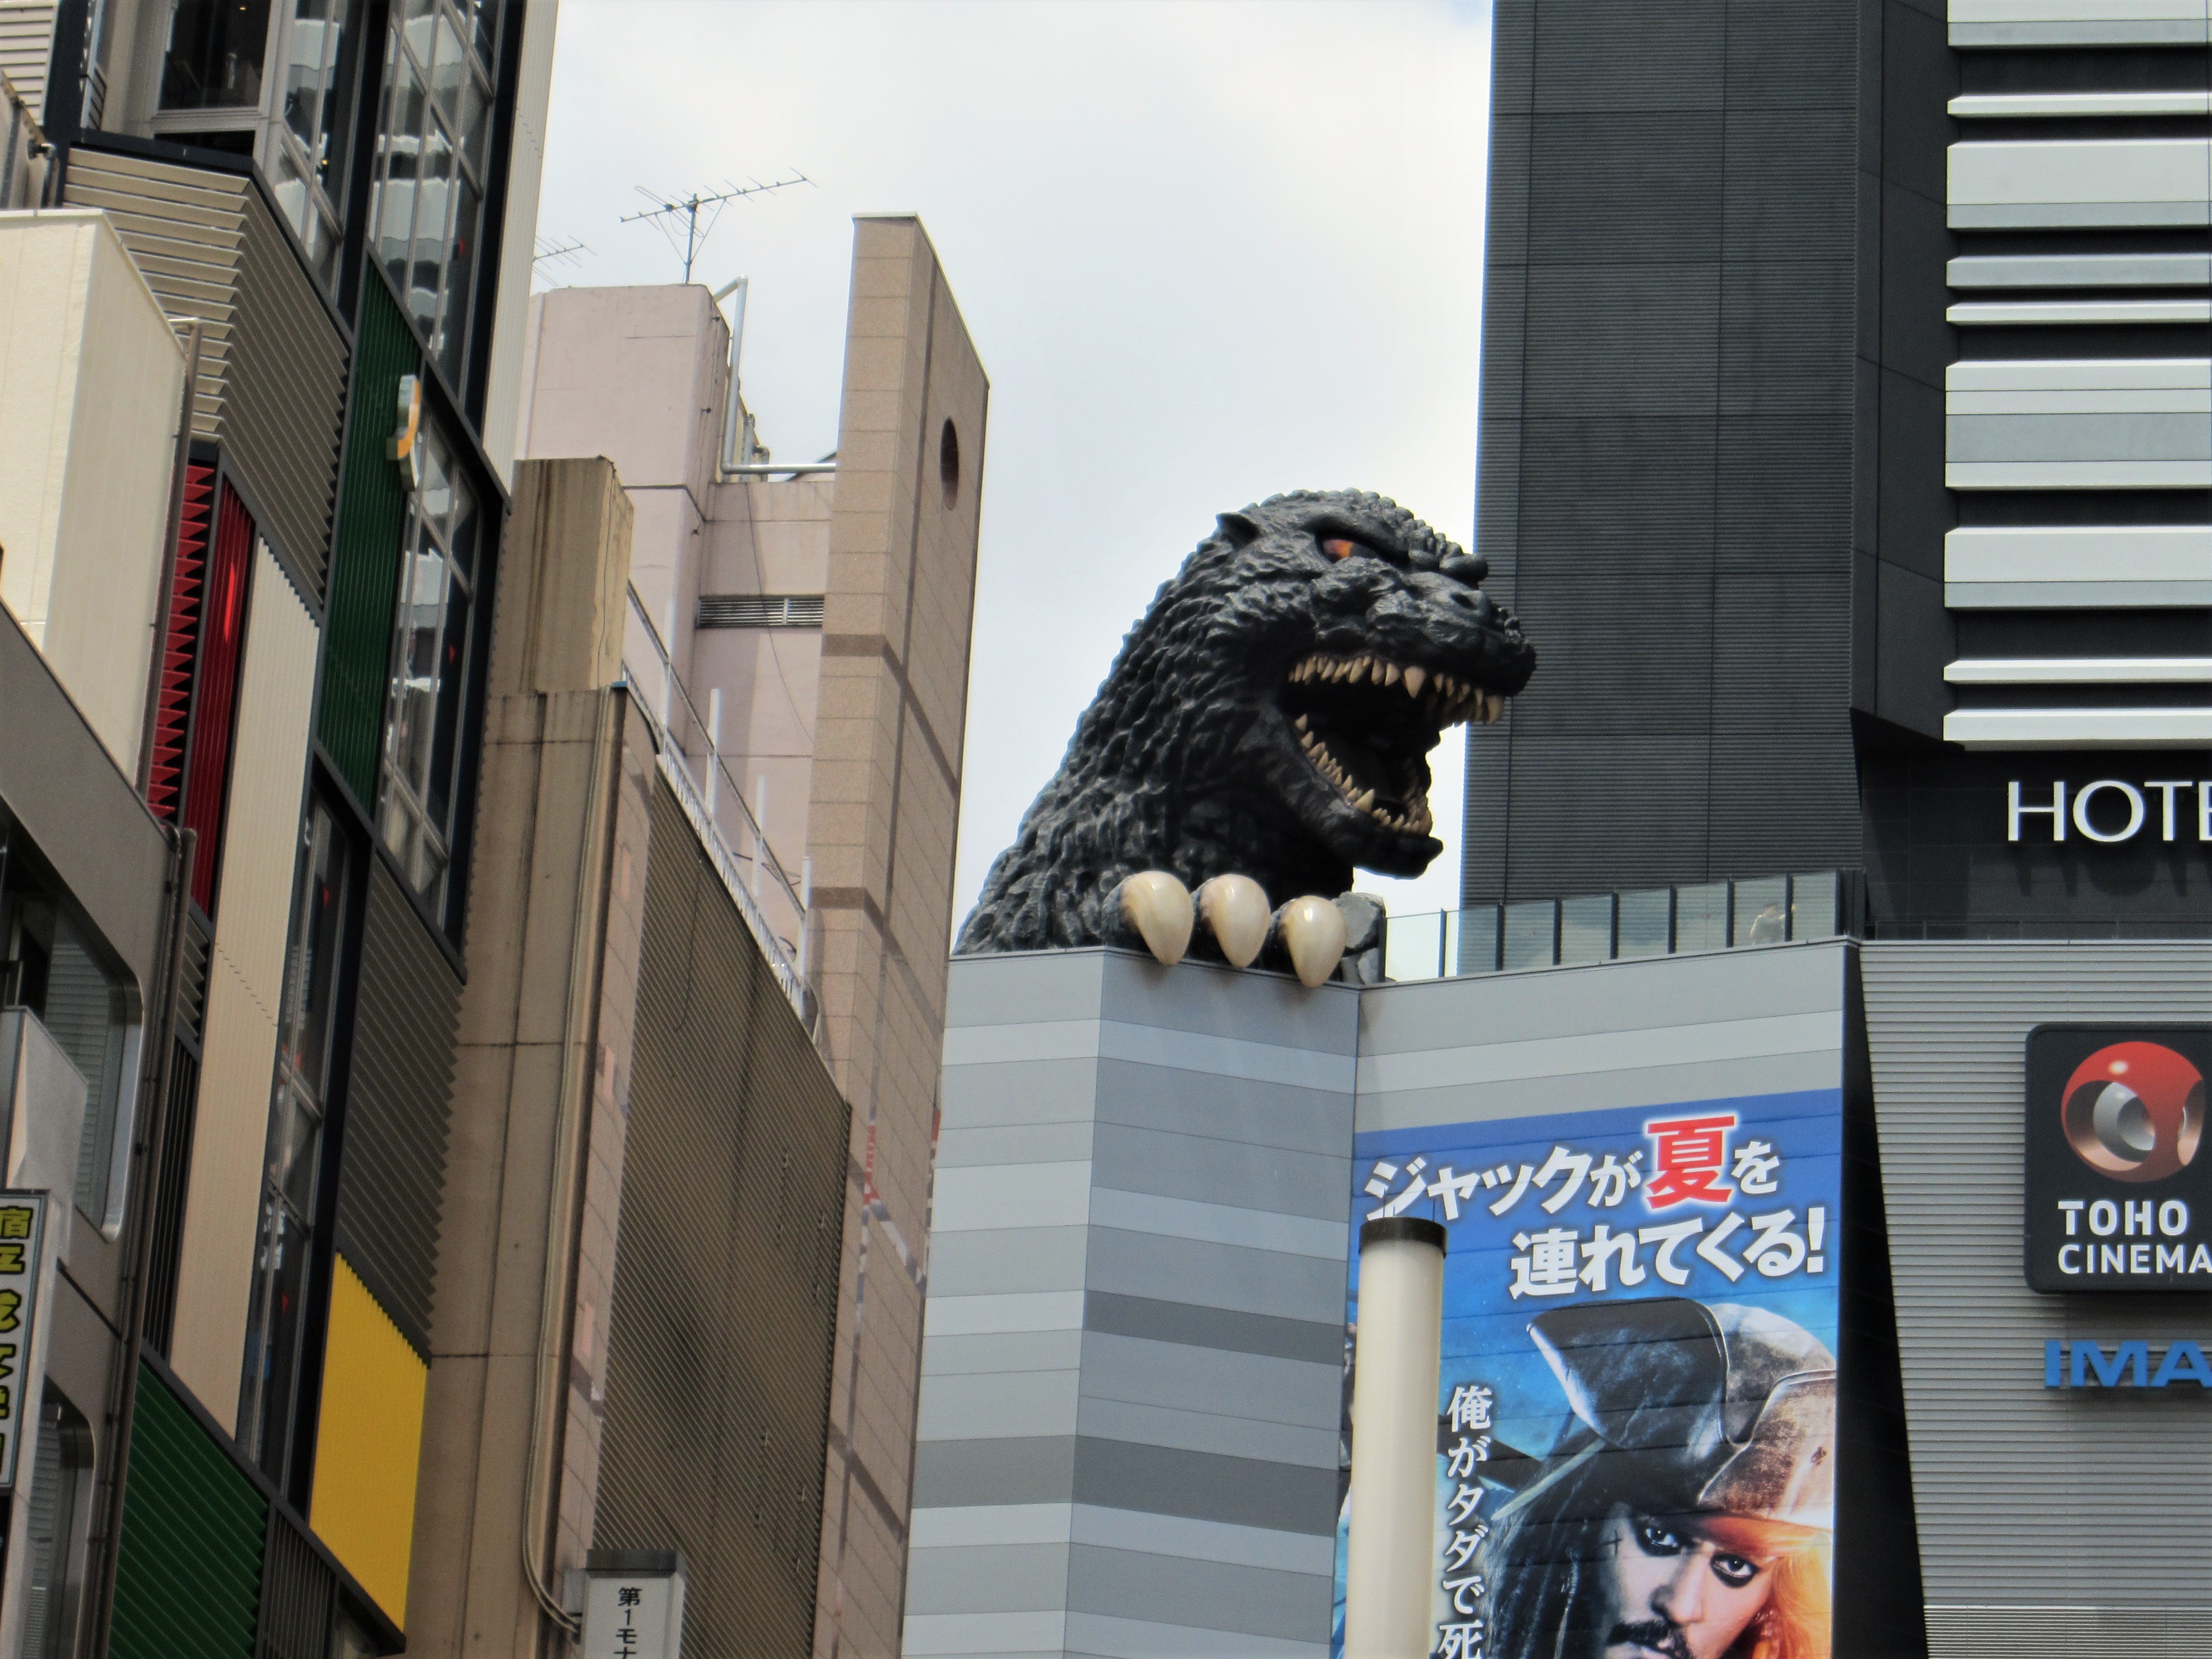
<point x="1313" y="932"/>
<point x="1235" y="908"/>
<point x="1158" y="907"/>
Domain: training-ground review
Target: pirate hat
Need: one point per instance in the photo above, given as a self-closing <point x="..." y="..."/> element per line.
<point x="1728" y="1408"/>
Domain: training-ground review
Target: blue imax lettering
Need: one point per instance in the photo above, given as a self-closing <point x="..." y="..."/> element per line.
<point x="2128" y="1367"/>
<point x="2108" y="810"/>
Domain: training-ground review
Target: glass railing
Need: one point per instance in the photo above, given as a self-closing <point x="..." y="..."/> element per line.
<point x="1653" y="922"/>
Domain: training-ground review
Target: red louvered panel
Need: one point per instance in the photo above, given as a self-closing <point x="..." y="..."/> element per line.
<point x="214" y="697"/>
<point x="171" y="715"/>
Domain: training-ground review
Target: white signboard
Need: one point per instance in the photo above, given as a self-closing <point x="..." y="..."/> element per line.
<point x="633" y="1615"/>
<point x="22" y="1229"/>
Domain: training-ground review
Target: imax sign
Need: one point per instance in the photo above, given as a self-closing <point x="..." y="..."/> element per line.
<point x="2079" y="1364"/>
<point x="2110" y="810"/>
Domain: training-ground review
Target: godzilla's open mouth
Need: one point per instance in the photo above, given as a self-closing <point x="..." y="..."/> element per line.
<point x="1367" y="726"/>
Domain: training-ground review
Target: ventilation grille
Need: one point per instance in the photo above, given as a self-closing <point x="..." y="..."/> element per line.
<point x="398" y="1108"/>
<point x="170" y="1181"/>
<point x="759" y="610"/>
<point x="165" y="774"/>
<point x="297" y="1593"/>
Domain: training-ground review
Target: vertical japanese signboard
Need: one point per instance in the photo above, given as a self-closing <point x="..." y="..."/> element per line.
<point x="633" y="1615"/>
<point x="22" y="1229"/>
<point x="1636" y="1415"/>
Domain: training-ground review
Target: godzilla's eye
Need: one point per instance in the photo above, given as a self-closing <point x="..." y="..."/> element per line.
<point x="1339" y="549"/>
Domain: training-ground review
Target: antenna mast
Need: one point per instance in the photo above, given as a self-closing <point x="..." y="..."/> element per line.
<point x="668" y="210"/>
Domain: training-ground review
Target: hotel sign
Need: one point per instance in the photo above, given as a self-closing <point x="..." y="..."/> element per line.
<point x="2119" y="1183"/>
<point x="2107" y="810"/>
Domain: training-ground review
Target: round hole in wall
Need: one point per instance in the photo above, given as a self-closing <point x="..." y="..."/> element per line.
<point x="948" y="463"/>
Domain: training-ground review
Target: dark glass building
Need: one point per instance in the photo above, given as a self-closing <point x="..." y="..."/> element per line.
<point x="1846" y="442"/>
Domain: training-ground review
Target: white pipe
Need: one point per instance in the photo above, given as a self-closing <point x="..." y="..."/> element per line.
<point x="1391" y="1563"/>
<point x="806" y="912"/>
<point x="760" y="830"/>
<point x="713" y="753"/>
<point x="668" y="660"/>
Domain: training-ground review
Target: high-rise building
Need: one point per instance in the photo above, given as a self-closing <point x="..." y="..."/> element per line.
<point x="262" y="271"/>
<point x="1845" y="439"/>
<point x="794" y="636"/>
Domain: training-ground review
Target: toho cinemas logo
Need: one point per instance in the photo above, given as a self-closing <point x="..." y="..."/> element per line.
<point x="2119" y="1182"/>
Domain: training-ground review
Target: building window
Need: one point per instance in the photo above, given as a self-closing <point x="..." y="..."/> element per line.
<point x="274" y="82"/>
<point x="426" y="203"/>
<point x="421" y="792"/>
<point x="268" y="1406"/>
<point x="52" y="964"/>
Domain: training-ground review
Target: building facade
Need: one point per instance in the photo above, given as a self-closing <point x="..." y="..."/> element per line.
<point x="258" y="330"/>
<point x="797" y="634"/>
<point x="1844" y="440"/>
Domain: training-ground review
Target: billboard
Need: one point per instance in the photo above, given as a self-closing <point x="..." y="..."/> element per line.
<point x="1637" y="1410"/>
<point x="2118" y="1194"/>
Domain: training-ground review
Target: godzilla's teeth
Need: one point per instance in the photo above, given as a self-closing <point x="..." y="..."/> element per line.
<point x="1365" y="799"/>
<point x="1415" y="679"/>
<point x="1390" y="674"/>
<point x="1300" y="722"/>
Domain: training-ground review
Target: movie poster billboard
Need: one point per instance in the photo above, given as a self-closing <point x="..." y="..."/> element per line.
<point x="1636" y="1429"/>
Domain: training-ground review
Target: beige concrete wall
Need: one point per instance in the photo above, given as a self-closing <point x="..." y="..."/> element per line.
<point x="882" y="820"/>
<point x="534" y="1181"/>
<point x="91" y="377"/>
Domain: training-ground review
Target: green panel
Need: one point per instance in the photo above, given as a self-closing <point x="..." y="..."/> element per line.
<point x="188" y="1583"/>
<point x="365" y="553"/>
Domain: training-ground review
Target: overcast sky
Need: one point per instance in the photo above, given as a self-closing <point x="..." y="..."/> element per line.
<point x="1208" y="253"/>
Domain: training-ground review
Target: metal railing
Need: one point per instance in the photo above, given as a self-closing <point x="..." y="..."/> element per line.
<point x="729" y="829"/>
<point x="1655" y="922"/>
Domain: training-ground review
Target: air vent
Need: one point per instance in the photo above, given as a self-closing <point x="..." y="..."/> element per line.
<point x="759" y="610"/>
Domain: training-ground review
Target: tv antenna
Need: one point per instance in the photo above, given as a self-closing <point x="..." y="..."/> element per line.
<point x="549" y="251"/>
<point x="687" y="221"/>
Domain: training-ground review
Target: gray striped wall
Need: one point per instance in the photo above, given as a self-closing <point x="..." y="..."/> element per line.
<point x="1132" y="1352"/>
<point x="2050" y="1523"/>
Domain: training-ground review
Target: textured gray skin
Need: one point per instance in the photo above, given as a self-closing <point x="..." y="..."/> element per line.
<point x="1187" y="762"/>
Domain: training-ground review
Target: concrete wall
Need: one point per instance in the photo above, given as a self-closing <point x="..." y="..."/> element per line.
<point x="91" y="379"/>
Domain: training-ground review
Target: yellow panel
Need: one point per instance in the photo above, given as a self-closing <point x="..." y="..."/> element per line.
<point x="369" y="1443"/>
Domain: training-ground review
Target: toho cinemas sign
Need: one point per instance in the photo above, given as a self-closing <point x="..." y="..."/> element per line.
<point x="2107" y="810"/>
<point x="2119" y="1177"/>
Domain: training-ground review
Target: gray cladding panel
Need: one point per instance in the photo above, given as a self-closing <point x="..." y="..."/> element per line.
<point x="1021" y="987"/>
<point x="1219" y="1001"/>
<point x="956" y="1473"/>
<point x="1207" y="1595"/>
<point x="1184" y="1378"/>
<point x="1017" y="1091"/>
<point x="1006" y="1260"/>
<point x="1022" y="1143"/>
<point x="1286" y="1286"/>
<point x="1241" y="1111"/>
<point x="1316" y="1341"/>
<point x="1219" y="1432"/>
<point x="987" y="1579"/>
<point x="2103" y="1498"/>
<point x="1211" y="1170"/>
<point x="1241" y="1491"/>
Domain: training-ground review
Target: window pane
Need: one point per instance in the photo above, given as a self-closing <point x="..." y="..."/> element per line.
<point x="295" y="1145"/>
<point x="452" y="341"/>
<point x="1644" y="922"/>
<point x="311" y="65"/>
<point x="1471" y="940"/>
<point x="1413" y="946"/>
<point x="1813" y="906"/>
<point x="432" y="227"/>
<point x="403" y="164"/>
<point x="1761" y="917"/>
<point x="475" y="123"/>
<point x="216" y="48"/>
<point x="1701" y="917"/>
<point x="87" y="1016"/>
<point x="449" y="70"/>
<point x="452" y="663"/>
<point x="414" y="687"/>
<point x="1528" y="934"/>
<point x="312" y="970"/>
<point x="1586" y="928"/>
<point x="484" y="23"/>
<point x="274" y="1324"/>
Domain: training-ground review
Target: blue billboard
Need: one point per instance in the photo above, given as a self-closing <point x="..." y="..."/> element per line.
<point x="1636" y="1431"/>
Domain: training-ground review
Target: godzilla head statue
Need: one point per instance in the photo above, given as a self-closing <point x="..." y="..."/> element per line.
<point x="1269" y="716"/>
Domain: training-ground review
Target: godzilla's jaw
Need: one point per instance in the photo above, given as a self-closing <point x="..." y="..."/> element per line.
<point x="1357" y="733"/>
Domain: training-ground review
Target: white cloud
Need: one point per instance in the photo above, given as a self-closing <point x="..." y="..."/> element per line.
<point x="1208" y="253"/>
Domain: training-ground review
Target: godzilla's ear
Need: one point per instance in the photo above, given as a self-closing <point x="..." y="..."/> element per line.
<point x="1240" y="530"/>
